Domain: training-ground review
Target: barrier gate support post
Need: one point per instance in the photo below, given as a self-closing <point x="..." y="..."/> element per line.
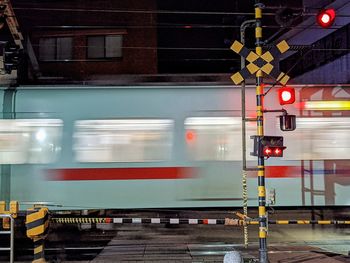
<point x="263" y="257"/>
<point x="37" y="222"/>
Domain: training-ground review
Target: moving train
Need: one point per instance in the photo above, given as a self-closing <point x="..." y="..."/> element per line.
<point x="168" y="147"/>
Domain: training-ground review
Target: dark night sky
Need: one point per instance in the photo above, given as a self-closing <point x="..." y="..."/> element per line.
<point x="201" y="41"/>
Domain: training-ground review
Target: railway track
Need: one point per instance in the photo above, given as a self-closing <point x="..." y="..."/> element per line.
<point x="183" y="243"/>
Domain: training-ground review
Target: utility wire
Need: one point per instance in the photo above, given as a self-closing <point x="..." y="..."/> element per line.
<point x="145" y="11"/>
<point x="190" y="48"/>
<point x="188" y="27"/>
<point x="138" y="11"/>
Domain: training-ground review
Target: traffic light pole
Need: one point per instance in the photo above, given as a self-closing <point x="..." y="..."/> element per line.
<point x="263" y="258"/>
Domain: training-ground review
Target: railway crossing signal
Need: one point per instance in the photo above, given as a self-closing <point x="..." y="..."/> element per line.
<point x="325" y="18"/>
<point x="266" y="62"/>
<point x="268" y="146"/>
<point x="286" y="95"/>
<point x="264" y="146"/>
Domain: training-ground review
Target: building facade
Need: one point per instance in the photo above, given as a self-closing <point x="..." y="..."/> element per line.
<point x="90" y="39"/>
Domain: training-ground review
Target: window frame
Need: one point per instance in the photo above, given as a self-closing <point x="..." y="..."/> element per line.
<point x="104" y="47"/>
<point x="55" y="57"/>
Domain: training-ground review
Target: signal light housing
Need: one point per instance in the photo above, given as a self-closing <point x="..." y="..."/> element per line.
<point x="268" y="146"/>
<point x="11" y="56"/>
<point x="287" y="122"/>
<point x="325" y="18"/>
<point x="286" y="95"/>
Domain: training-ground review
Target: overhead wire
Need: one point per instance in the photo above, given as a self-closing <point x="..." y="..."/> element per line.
<point x="137" y="11"/>
<point x="183" y="26"/>
<point x="193" y="48"/>
<point x="150" y="11"/>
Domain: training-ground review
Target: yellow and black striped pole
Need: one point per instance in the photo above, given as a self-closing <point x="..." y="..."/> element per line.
<point x="37" y="223"/>
<point x="39" y="255"/>
<point x="260" y="132"/>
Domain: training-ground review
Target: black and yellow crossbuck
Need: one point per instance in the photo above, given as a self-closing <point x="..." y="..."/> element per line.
<point x="266" y="62"/>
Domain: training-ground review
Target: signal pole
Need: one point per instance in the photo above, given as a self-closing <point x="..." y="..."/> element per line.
<point x="263" y="258"/>
<point x="263" y="63"/>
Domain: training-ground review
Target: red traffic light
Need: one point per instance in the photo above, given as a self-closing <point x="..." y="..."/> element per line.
<point x="325" y="18"/>
<point x="273" y="151"/>
<point x="286" y="95"/>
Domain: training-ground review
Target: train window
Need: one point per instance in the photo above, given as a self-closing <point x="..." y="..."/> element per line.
<point x="30" y="140"/>
<point x="319" y="139"/>
<point x="133" y="140"/>
<point x="215" y="138"/>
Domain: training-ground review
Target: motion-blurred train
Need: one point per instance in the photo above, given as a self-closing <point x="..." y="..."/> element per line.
<point x="168" y="147"/>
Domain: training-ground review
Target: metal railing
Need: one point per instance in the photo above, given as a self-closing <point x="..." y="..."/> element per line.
<point x="9" y="232"/>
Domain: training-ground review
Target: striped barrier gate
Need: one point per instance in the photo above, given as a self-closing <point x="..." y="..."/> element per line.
<point x="183" y="221"/>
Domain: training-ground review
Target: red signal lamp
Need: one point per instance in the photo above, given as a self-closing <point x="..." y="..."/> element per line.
<point x="325" y="18"/>
<point x="273" y="151"/>
<point x="286" y="95"/>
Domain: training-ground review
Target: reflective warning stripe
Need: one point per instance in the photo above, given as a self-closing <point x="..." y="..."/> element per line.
<point x="155" y="220"/>
<point x="39" y="255"/>
<point x="37" y="221"/>
<point x="136" y="221"/>
<point x="118" y="220"/>
<point x="191" y="221"/>
<point x="174" y="221"/>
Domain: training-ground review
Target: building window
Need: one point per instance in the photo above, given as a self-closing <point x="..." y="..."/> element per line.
<point x="55" y="48"/>
<point x="105" y="46"/>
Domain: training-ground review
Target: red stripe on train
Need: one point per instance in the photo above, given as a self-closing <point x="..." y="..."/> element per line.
<point x="282" y="171"/>
<point x="163" y="173"/>
<point x="279" y="172"/>
<point x="140" y="173"/>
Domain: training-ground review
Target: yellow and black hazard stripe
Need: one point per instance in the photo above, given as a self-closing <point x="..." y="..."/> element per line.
<point x="279" y="49"/>
<point x="302" y="222"/>
<point x="80" y="220"/>
<point x="37" y="222"/>
<point x="259" y="62"/>
<point x="39" y="255"/>
<point x="276" y="52"/>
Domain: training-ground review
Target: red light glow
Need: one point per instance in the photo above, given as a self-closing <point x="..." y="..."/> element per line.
<point x="190" y="136"/>
<point x="326" y="17"/>
<point x="286" y="95"/>
<point x="268" y="151"/>
<point x="278" y="151"/>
